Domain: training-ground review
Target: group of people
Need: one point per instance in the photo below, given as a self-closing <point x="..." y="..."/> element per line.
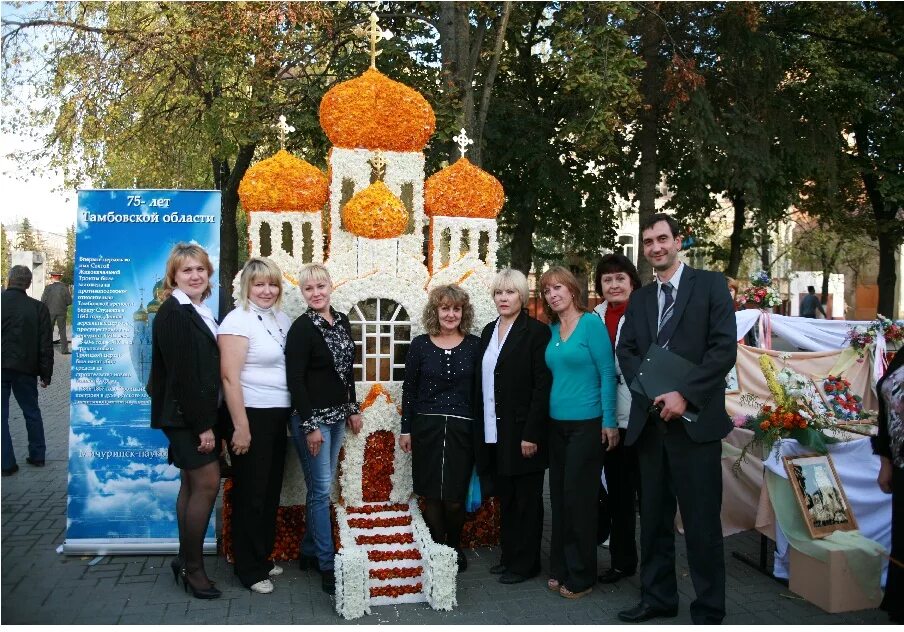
<point x="234" y="388"/>
<point x="520" y="398"/>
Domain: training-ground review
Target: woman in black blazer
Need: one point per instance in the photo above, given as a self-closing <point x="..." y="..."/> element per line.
<point x="514" y="400"/>
<point x="185" y="389"/>
<point x="320" y="355"/>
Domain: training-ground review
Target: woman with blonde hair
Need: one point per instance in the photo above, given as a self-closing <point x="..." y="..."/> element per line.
<point x="438" y="425"/>
<point x="184" y="388"/>
<point x="582" y="413"/>
<point x="320" y="354"/>
<point x="514" y="395"/>
<point x="252" y="344"/>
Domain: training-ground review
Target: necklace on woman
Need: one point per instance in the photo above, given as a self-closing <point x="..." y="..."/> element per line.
<point x="563" y="337"/>
<point x="281" y="341"/>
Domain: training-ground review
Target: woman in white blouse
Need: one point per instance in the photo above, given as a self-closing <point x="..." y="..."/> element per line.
<point x="515" y="385"/>
<point x="252" y="342"/>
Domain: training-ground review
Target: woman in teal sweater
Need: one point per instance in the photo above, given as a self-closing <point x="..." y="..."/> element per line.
<point x="582" y="412"/>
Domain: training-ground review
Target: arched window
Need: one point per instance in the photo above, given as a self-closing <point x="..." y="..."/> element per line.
<point x="381" y="329"/>
<point x="264" y="239"/>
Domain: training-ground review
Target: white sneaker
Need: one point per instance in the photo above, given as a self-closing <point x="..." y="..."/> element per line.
<point x="276" y="570"/>
<point x="264" y="587"/>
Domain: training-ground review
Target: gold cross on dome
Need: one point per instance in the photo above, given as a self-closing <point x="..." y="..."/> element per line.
<point x="284" y="129"/>
<point x="377" y="166"/>
<point x="463" y="141"/>
<point x="376" y="35"/>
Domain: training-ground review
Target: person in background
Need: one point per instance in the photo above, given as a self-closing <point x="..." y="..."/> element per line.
<point x="582" y="416"/>
<point x="689" y="312"/>
<point x="27" y="354"/>
<point x="185" y="392"/>
<point x="320" y="355"/>
<point x="438" y="412"/>
<point x="889" y="445"/>
<point x="57" y="298"/>
<point x="252" y="343"/>
<point x="616" y="278"/>
<point x="515" y="383"/>
<point x="810" y="304"/>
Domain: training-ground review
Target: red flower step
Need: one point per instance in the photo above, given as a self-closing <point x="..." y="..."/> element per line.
<point x="373" y="523"/>
<point x="395" y="573"/>
<point x="395" y="538"/>
<point x="396" y="591"/>
<point x="385" y="556"/>
<point x="370" y="509"/>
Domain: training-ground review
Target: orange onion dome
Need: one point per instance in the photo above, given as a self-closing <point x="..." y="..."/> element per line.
<point x="283" y="182"/>
<point x="374" y="112"/>
<point x="375" y="213"/>
<point x="463" y="190"/>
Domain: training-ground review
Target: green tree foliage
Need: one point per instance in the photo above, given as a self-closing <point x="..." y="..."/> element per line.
<point x="27" y="238"/>
<point x="69" y="262"/>
<point x="177" y="94"/>
<point x="740" y="135"/>
<point x="555" y="131"/>
<point x="5" y="255"/>
<point x="850" y="59"/>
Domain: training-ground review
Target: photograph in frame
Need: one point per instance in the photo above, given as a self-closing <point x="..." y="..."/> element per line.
<point x="819" y="494"/>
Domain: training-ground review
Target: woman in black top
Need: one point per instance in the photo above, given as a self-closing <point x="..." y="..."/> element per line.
<point x="438" y="412"/>
<point x="319" y="357"/>
<point x="889" y="445"/>
<point x="185" y="393"/>
<point x="515" y="383"/>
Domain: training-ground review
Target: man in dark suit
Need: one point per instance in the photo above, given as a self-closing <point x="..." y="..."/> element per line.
<point x="690" y="313"/>
<point x="27" y="353"/>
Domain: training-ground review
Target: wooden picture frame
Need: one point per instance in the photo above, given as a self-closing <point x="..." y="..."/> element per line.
<point x="819" y="494"/>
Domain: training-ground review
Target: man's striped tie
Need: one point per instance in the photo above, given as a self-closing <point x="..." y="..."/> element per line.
<point x="666" y="328"/>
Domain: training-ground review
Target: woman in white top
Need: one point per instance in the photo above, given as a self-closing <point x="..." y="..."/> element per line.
<point x="252" y="342"/>
<point x="616" y="277"/>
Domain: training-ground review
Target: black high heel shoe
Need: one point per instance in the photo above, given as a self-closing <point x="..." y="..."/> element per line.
<point x="176" y="566"/>
<point x="198" y="593"/>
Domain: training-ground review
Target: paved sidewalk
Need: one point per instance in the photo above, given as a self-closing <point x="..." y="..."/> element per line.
<point x="41" y="586"/>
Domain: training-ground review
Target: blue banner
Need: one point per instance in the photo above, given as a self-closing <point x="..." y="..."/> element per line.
<point x="122" y="491"/>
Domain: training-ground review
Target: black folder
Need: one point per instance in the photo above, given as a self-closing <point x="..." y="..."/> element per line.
<point x="662" y="371"/>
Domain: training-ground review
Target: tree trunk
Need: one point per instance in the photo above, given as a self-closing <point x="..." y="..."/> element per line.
<point x="228" y="182"/>
<point x="523" y="238"/>
<point x="888" y="277"/>
<point x="488" y="85"/>
<point x="648" y="125"/>
<point x="890" y="232"/>
<point x="765" y="246"/>
<point x="737" y="234"/>
<point x="455" y="49"/>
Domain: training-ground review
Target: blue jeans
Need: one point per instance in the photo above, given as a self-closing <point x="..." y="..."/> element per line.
<point x="319" y="472"/>
<point x="25" y="389"/>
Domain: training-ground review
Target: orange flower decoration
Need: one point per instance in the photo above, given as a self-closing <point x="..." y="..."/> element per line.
<point x="375" y="213"/>
<point x="385" y="556"/>
<point x="370" y="509"/>
<point x="395" y="538"/>
<point x="283" y="182"/>
<point x="395" y="573"/>
<point x="375" y="523"/>
<point x="395" y="591"/>
<point x="374" y="112"/>
<point x="463" y="190"/>
<point x="375" y="391"/>
<point x="379" y="453"/>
